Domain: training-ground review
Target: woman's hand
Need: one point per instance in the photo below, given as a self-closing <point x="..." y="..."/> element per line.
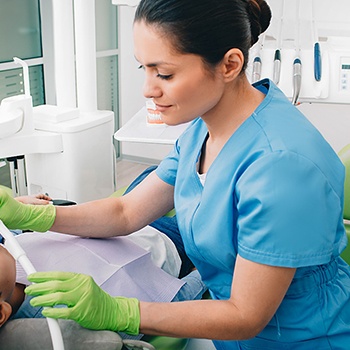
<point x="86" y="302"/>
<point x="16" y="215"/>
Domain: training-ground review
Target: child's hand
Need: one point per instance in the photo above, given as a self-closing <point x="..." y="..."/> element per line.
<point x="39" y="199"/>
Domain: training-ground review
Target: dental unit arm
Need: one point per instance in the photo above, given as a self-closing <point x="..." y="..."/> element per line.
<point x="18" y="253"/>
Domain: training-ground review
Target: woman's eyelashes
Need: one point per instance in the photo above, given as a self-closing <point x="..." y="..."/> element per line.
<point x="164" y="77"/>
<point x="161" y="76"/>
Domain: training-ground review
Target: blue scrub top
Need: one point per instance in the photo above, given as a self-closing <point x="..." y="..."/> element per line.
<point x="273" y="195"/>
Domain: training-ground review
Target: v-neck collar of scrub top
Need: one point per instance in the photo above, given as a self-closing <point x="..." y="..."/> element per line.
<point x="263" y="86"/>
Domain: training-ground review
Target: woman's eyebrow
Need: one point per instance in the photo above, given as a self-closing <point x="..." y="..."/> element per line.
<point x="155" y="64"/>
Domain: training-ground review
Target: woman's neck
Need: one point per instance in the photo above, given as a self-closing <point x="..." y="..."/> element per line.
<point x="237" y="104"/>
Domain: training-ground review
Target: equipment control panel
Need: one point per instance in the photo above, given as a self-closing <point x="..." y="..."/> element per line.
<point x="344" y="74"/>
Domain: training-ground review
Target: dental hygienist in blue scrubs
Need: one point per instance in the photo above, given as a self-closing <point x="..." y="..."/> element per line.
<point x="257" y="190"/>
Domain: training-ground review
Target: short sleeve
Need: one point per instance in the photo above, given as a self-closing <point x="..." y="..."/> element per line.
<point x="167" y="169"/>
<point x="288" y="213"/>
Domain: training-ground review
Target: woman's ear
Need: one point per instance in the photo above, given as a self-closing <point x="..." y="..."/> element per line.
<point x="232" y="64"/>
<point x="5" y="312"/>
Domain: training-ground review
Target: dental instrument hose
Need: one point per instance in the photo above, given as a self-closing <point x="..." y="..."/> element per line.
<point x="277" y="57"/>
<point x="317" y="48"/>
<point x="19" y="254"/>
<point x="297" y="61"/>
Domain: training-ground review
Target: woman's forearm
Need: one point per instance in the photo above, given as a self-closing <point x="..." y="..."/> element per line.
<point x="256" y="293"/>
<point x="209" y="319"/>
<point x="117" y="216"/>
<point x="101" y="218"/>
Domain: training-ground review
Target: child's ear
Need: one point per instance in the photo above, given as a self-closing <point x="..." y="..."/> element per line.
<point x="5" y="312"/>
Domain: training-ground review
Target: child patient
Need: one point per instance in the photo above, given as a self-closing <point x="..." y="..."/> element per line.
<point x="7" y="286"/>
<point x="11" y="294"/>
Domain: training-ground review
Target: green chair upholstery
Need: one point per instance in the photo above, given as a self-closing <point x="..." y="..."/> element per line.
<point x="344" y="155"/>
<point x="166" y="343"/>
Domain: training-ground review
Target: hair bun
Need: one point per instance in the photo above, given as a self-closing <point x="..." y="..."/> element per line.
<point x="260" y="17"/>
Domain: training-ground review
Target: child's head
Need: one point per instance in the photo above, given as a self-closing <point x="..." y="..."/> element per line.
<point x="7" y="283"/>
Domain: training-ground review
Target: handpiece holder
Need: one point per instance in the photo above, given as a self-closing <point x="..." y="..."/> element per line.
<point x="19" y="254"/>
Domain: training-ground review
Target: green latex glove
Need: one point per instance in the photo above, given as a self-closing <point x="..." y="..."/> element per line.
<point x="87" y="303"/>
<point x="16" y="215"/>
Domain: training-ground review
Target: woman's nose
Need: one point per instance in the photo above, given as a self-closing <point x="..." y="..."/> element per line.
<point x="150" y="88"/>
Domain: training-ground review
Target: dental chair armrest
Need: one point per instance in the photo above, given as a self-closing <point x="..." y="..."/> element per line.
<point x="33" y="334"/>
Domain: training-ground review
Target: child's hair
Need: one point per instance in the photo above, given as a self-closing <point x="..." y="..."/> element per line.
<point x="208" y="28"/>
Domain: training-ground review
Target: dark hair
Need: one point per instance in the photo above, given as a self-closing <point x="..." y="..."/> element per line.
<point x="208" y="28"/>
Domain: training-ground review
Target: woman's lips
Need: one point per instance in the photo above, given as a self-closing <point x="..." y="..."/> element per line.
<point x="162" y="108"/>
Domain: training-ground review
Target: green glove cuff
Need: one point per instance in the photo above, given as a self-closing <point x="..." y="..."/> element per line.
<point x="129" y="322"/>
<point x="16" y="215"/>
<point x="39" y="217"/>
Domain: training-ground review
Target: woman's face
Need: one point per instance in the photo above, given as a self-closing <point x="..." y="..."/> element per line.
<point x="179" y="84"/>
<point x="7" y="274"/>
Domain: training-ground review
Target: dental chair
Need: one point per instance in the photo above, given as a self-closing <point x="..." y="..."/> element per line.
<point x="344" y="155"/>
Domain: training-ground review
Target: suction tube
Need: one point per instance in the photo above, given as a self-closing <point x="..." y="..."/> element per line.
<point x="19" y="254"/>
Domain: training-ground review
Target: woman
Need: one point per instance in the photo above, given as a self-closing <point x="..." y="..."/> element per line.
<point x="258" y="195"/>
